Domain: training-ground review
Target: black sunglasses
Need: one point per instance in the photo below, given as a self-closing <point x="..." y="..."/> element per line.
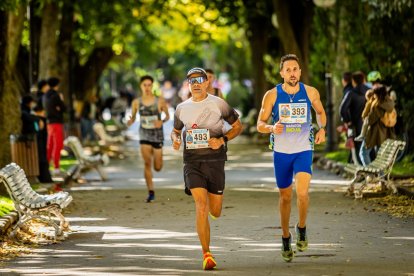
<point x="196" y="80"/>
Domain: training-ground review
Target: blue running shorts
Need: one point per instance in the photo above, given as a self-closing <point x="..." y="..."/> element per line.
<point x="288" y="164"/>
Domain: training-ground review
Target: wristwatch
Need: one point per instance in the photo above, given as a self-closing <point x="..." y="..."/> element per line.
<point x="324" y="128"/>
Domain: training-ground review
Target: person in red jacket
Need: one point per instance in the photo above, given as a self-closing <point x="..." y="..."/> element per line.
<point x="55" y="108"/>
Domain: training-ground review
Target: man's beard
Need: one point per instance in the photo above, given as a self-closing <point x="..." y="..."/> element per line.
<point x="292" y="82"/>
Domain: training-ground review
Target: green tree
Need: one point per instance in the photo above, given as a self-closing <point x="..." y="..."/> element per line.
<point x="11" y="26"/>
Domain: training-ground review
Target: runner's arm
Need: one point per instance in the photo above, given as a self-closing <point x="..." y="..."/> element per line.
<point x="133" y="112"/>
<point x="236" y="129"/>
<point x="265" y="111"/>
<point x="164" y="108"/>
<point x="315" y="99"/>
<point x="176" y="138"/>
<point x="318" y="107"/>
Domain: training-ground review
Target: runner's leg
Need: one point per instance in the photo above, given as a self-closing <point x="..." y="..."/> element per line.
<point x="285" y="202"/>
<point x="158" y="162"/>
<point x="147" y="152"/>
<point x="302" y="180"/>
<point x="203" y="227"/>
<point x="215" y="204"/>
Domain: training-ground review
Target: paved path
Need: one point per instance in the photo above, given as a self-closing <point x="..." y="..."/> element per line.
<point x="116" y="233"/>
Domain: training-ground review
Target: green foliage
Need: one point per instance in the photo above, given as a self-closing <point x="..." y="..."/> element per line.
<point x="6" y="205"/>
<point x="368" y="35"/>
<point x="339" y="156"/>
<point x="182" y="35"/>
<point x="388" y="8"/>
<point x="405" y="167"/>
<point x="67" y="162"/>
<point x="238" y="95"/>
<point x="10" y="5"/>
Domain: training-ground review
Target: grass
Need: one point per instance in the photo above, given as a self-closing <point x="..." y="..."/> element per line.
<point x="405" y="167"/>
<point x="6" y="205"/>
<point x="67" y="162"/>
<point x="338" y="156"/>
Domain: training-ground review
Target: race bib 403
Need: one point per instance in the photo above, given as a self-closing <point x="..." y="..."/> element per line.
<point x="197" y="138"/>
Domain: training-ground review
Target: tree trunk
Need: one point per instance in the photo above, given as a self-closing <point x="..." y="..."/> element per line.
<point x="87" y="76"/>
<point x="64" y="57"/>
<point x="340" y="63"/>
<point x="11" y="27"/>
<point x="35" y="29"/>
<point x="258" y="20"/>
<point x="294" y="31"/>
<point x="48" y="41"/>
<point x="258" y="41"/>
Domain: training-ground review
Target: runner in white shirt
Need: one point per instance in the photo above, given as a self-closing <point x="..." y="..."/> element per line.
<point x="200" y="120"/>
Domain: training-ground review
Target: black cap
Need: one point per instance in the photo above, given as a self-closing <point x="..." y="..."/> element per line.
<point x="197" y="70"/>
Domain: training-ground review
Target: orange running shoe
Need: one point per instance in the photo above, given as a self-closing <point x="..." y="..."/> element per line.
<point x="209" y="263"/>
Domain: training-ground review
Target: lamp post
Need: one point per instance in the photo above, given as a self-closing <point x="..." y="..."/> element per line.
<point x="330" y="145"/>
<point x="330" y="131"/>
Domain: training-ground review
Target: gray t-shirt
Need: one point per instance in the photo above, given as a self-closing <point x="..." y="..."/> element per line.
<point x="210" y="114"/>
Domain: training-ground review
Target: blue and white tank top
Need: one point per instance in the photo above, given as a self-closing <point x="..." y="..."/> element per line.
<point x="294" y="112"/>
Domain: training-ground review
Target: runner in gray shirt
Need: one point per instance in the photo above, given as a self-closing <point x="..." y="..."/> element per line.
<point x="200" y="120"/>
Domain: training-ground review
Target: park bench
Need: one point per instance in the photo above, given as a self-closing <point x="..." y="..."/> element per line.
<point x="85" y="161"/>
<point x="377" y="172"/>
<point x="31" y="205"/>
<point x="104" y="137"/>
<point x="109" y="144"/>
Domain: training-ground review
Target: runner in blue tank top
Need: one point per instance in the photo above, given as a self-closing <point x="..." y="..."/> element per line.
<point x="293" y="138"/>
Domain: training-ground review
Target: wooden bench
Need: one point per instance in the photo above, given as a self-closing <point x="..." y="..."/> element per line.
<point x="112" y="145"/>
<point x="104" y="137"/>
<point x="31" y="205"/>
<point x="377" y="172"/>
<point x="85" y="161"/>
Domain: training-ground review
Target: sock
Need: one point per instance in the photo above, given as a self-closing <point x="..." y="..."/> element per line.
<point x="213" y="217"/>
<point x="286" y="239"/>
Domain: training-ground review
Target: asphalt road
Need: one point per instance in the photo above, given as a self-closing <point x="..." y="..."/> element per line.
<point x="115" y="233"/>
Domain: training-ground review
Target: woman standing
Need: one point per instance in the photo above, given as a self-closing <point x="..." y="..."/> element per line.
<point x="151" y="134"/>
<point x="377" y="132"/>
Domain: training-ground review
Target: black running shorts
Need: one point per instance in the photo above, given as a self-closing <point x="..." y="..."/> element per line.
<point x="207" y="175"/>
<point x="155" y="145"/>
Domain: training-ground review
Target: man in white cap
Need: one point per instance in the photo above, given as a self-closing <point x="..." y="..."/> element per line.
<point x="200" y="120"/>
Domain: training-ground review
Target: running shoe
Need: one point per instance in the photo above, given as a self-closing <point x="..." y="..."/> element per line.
<point x="301" y="238"/>
<point x="150" y="198"/>
<point x="287" y="252"/>
<point x="209" y="263"/>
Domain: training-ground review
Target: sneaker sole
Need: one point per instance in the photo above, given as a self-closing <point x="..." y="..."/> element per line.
<point x="287" y="259"/>
<point x="300" y="248"/>
<point x="209" y="263"/>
